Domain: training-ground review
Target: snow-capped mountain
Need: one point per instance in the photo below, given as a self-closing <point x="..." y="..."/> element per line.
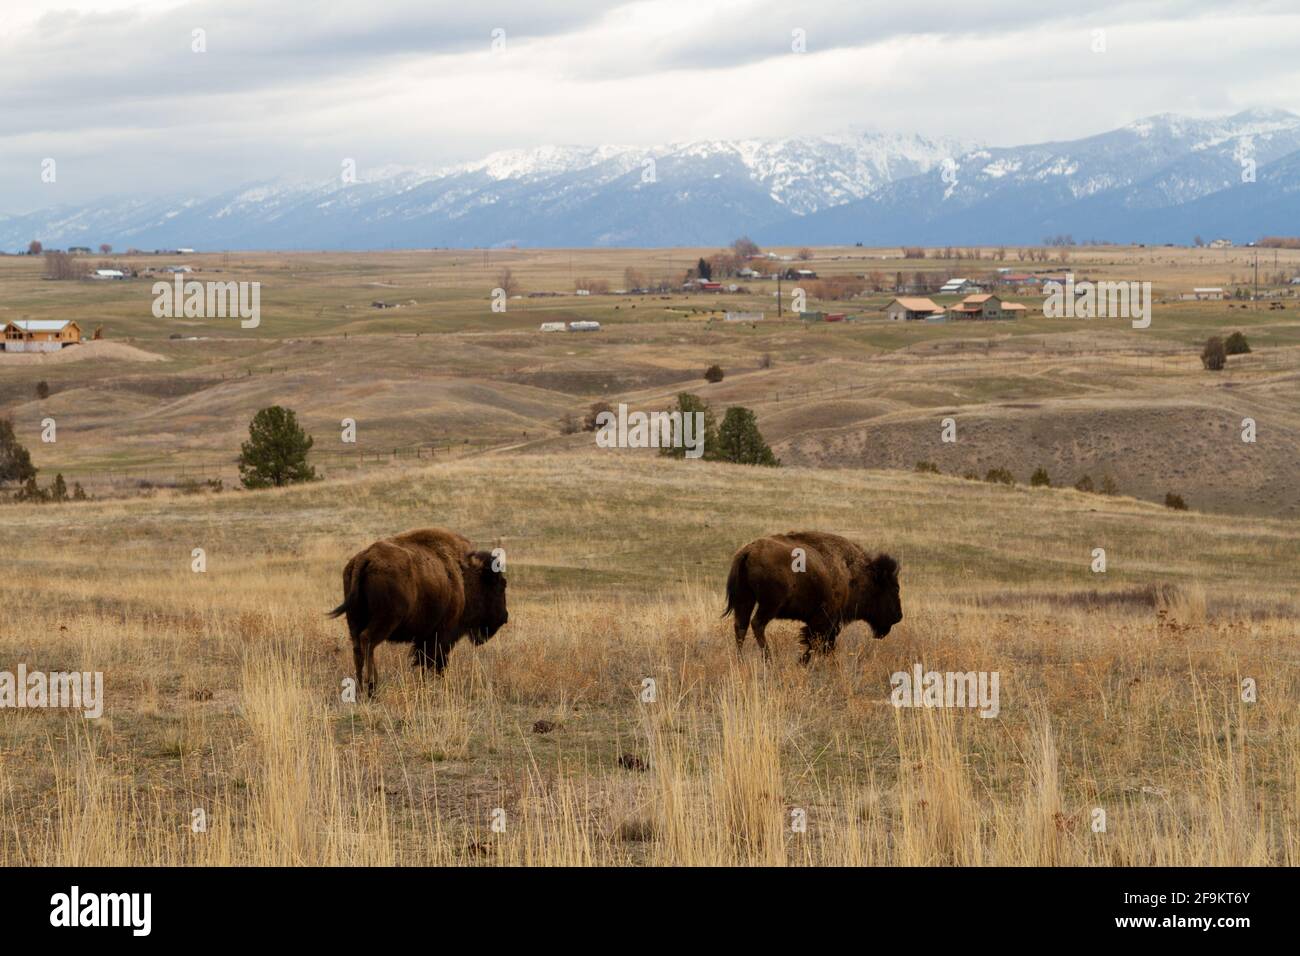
<point x="552" y="195"/>
<point x="1163" y="178"/>
<point x="1123" y="185"/>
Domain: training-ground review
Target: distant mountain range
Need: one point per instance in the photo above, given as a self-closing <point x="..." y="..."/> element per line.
<point x="1162" y="179"/>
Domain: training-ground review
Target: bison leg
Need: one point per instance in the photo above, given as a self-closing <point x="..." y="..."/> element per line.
<point x="806" y="642"/>
<point x="359" y="659"/>
<point x="430" y="652"/>
<point x="761" y="622"/>
<point x="370" y="639"/>
<point x="744" y="608"/>
<point x="819" y="640"/>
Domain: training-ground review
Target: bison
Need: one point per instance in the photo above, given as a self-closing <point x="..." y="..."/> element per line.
<point x="821" y="579"/>
<point x="426" y="588"/>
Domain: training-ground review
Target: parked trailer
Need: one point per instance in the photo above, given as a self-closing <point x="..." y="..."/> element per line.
<point x="584" y="326"/>
<point x="552" y="327"/>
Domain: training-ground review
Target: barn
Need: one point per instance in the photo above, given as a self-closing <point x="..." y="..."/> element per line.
<point x="911" y="308"/>
<point x="958" y="287"/>
<point x="40" y="335"/>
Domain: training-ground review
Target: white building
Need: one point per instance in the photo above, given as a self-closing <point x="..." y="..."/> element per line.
<point x="958" y="287"/>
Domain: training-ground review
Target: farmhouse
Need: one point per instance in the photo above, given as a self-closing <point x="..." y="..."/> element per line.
<point x="1221" y="244"/>
<point x="109" y="274"/>
<point x="910" y="308"/>
<point x="40" y="335"/>
<point x="1207" y="294"/>
<point x="978" y="307"/>
<point x="958" y="287"/>
<point x="987" y="307"/>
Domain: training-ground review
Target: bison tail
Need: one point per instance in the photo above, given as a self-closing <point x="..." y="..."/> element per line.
<point x="734" y="583"/>
<point x="354" y="600"/>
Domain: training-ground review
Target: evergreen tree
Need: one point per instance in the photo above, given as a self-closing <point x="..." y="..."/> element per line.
<point x="703" y="269"/>
<point x="689" y="404"/>
<point x="30" y="491"/>
<point x="276" y="451"/>
<point x="740" y="440"/>
<point x="59" y="492"/>
<point x="15" y="462"/>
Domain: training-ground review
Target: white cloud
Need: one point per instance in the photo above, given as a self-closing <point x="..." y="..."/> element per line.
<point x="111" y="89"/>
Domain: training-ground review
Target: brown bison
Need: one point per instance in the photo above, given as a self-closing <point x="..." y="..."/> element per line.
<point x="426" y="588"/>
<point x="821" y="579"/>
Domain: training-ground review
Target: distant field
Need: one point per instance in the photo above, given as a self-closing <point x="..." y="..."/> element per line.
<point x="449" y="290"/>
<point x="444" y="375"/>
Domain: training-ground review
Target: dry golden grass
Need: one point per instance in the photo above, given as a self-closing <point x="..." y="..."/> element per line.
<point x="223" y="690"/>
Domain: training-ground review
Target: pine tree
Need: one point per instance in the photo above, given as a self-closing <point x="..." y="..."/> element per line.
<point x="689" y="404"/>
<point x="741" y="442"/>
<point x="276" y="451"/>
<point x="30" y="491"/>
<point x="59" y="492"/>
<point x="15" y="461"/>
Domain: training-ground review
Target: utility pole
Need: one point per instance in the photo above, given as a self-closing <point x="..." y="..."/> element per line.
<point x="778" y="293"/>
<point x="1256" y="279"/>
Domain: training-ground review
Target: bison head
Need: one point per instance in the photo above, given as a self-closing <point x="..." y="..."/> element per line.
<point x="485" y="597"/>
<point x="878" y="601"/>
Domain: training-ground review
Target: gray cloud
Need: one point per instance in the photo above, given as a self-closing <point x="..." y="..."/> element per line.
<point x="112" y="91"/>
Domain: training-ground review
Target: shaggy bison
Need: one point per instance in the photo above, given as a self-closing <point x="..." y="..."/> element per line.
<point x="426" y="588"/>
<point x="821" y="579"/>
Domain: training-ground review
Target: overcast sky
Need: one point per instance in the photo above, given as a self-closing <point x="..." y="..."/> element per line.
<point x="113" y="91"/>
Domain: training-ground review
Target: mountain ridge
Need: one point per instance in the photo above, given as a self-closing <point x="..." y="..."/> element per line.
<point x="1151" y="180"/>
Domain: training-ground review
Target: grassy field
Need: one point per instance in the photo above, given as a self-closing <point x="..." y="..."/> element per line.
<point x="1120" y="691"/>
